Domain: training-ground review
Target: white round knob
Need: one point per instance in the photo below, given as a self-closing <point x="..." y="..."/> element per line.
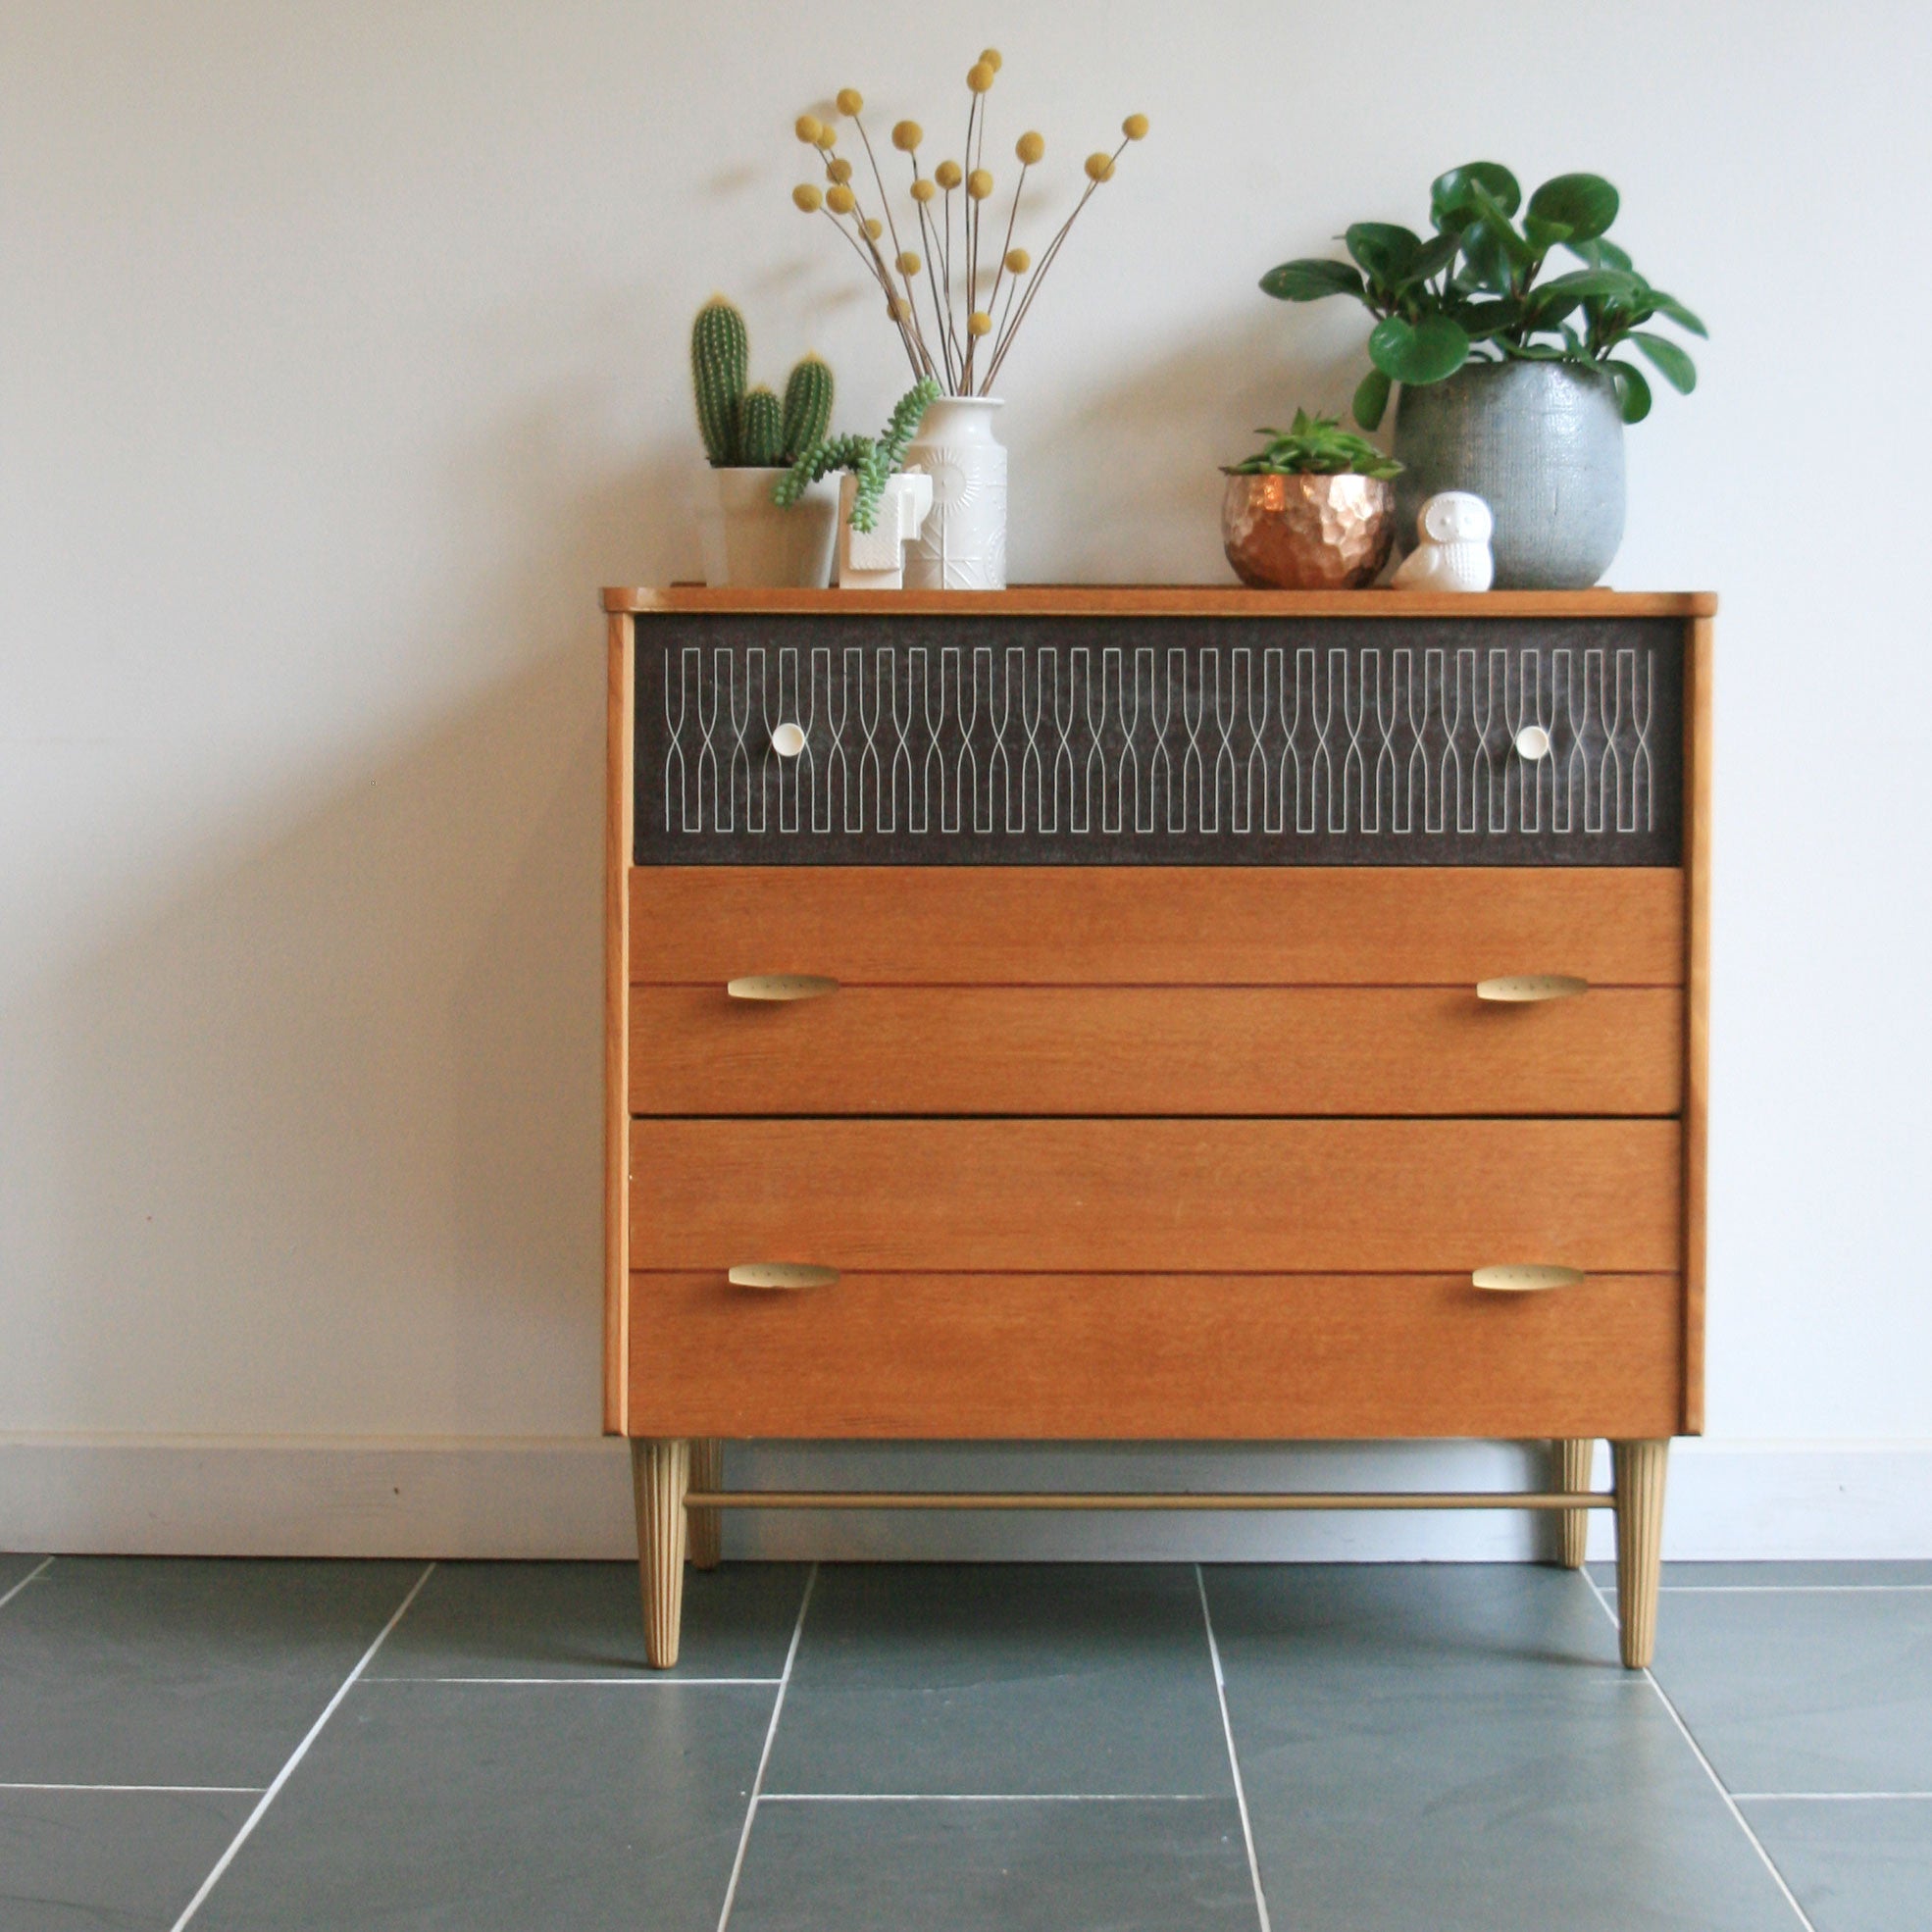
<point x="1533" y="742"/>
<point x="787" y="741"/>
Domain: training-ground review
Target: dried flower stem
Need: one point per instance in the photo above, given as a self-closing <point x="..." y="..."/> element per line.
<point x="1039" y="276"/>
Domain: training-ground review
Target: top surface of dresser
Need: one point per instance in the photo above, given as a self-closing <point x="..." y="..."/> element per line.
<point x="1163" y="728"/>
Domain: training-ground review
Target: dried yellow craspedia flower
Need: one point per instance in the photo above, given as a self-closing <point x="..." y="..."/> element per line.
<point x="1100" y="166"/>
<point x="908" y="262"/>
<point x="923" y="189"/>
<point x="1135" y="126"/>
<point x="948" y="173"/>
<point x="979" y="183"/>
<point x="873" y="226"/>
<point x="979" y="76"/>
<point x="808" y="196"/>
<point x="1018" y="260"/>
<point x="839" y="169"/>
<point x="990" y="57"/>
<point x="806" y="127"/>
<point x="900" y="309"/>
<point x="850" y="100"/>
<point x="838" y="198"/>
<point x="978" y="323"/>
<point x="827" y="134"/>
<point x="906" y="135"/>
<point x="1029" y="148"/>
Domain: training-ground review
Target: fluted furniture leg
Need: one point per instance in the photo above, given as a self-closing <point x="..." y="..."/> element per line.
<point x="1574" y="1455"/>
<point x="660" y="1474"/>
<point x="707" y="1473"/>
<point x="1640" y="1471"/>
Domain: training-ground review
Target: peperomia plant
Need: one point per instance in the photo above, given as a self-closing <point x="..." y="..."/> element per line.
<point x="1473" y="290"/>
<point x="1315" y="447"/>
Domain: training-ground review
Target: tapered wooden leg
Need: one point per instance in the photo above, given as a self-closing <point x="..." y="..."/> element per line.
<point x="707" y="1473"/>
<point x="1640" y="1470"/>
<point x="1574" y="1455"/>
<point x="660" y="1474"/>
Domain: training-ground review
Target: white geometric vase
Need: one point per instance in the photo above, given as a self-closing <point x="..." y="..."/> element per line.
<point x="875" y="559"/>
<point x="963" y="545"/>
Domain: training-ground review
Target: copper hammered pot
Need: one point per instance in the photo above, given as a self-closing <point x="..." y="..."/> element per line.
<point x="1307" y="532"/>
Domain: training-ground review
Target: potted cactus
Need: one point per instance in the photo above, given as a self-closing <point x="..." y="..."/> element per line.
<point x="880" y="505"/>
<point x="752" y="438"/>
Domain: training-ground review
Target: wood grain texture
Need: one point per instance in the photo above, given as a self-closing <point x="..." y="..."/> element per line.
<point x="1177" y="1357"/>
<point x="1696" y="994"/>
<point x="1640" y="1468"/>
<point x="618" y="794"/>
<point x="1170" y="925"/>
<point x="1156" y="1196"/>
<point x="1156" y="1051"/>
<point x="1159" y="601"/>
<point x="660" y="1476"/>
<point x="1574" y="1454"/>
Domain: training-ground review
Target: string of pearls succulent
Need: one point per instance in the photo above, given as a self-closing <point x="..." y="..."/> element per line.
<point x="966" y="346"/>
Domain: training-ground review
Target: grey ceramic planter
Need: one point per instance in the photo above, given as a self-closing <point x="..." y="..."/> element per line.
<point x="1542" y="445"/>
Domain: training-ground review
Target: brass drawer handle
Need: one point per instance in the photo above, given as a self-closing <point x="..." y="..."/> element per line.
<point x="792" y="1276"/>
<point x="1523" y="988"/>
<point x="1526" y="1277"/>
<point x="781" y="986"/>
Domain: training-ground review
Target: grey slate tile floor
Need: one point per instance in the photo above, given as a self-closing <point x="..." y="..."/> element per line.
<point x="1375" y="1748"/>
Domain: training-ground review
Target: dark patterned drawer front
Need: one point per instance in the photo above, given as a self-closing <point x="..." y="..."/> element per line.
<point x="1158" y="741"/>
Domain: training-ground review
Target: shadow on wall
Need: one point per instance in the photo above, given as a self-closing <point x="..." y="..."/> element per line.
<point x="319" y="1145"/>
<point x="1142" y="455"/>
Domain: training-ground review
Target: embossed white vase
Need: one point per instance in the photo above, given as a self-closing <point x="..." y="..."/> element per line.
<point x="963" y="544"/>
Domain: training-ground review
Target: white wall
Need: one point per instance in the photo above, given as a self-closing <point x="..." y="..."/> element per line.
<point x="341" y="360"/>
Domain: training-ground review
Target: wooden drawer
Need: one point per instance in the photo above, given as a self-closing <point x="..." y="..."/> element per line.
<point x="1191" y="926"/>
<point x="991" y="1050"/>
<point x="1187" y="1357"/>
<point x="1156" y="1196"/>
<point x="1160" y="741"/>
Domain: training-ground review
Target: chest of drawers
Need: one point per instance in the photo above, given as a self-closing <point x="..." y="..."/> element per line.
<point x="1155" y="1014"/>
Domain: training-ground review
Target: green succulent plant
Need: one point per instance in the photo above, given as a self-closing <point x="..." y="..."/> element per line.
<point x="871" y="459"/>
<point x="749" y="427"/>
<point x="1316" y="446"/>
<point x="1474" y="290"/>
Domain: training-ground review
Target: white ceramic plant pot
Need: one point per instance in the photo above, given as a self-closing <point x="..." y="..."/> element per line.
<point x="963" y="546"/>
<point x="749" y="540"/>
<point x="875" y="559"/>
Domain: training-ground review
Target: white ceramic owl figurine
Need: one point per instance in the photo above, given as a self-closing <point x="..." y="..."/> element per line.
<point x="1453" y="551"/>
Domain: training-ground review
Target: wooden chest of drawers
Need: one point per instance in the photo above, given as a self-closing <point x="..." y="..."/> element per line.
<point x="1155" y="1014"/>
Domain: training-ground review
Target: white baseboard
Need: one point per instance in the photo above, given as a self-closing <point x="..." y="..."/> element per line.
<point x="570" y="1498"/>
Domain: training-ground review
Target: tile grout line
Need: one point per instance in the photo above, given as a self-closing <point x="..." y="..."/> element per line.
<point x="621" y="1683"/>
<point x="301" y="1752"/>
<point x="1827" y="1797"/>
<point x="1234" y="1761"/>
<point x="1709" y="1769"/>
<point x="1791" y="1589"/>
<point x="765" y="1755"/>
<point x="45" y="1565"/>
<point x="233" y="1791"/>
<point x="984" y="1798"/>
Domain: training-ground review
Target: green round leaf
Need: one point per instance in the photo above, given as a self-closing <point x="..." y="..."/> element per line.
<point x="1371" y="399"/>
<point x="1633" y="392"/>
<point x="1427" y="352"/>
<point x="1452" y="203"/>
<point x="1671" y="363"/>
<point x="1670" y="305"/>
<point x="1386" y="251"/>
<point x="1311" y="281"/>
<point x="1585" y="204"/>
<point x="1544" y="236"/>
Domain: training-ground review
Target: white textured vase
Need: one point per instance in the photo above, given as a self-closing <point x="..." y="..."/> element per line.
<point x="963" y="544"/>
